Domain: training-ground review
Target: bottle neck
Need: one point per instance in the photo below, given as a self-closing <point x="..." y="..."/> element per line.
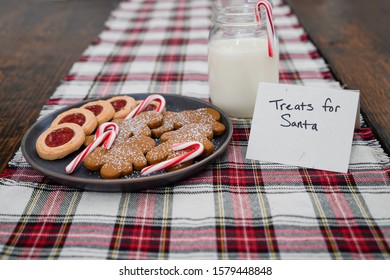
<point x="235" y="13"/>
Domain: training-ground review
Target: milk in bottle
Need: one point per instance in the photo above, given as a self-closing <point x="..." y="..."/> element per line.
<point x="238" y="57"/>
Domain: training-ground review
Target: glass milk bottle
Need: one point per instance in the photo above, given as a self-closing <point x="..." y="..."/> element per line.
<point x="238" y="55"/>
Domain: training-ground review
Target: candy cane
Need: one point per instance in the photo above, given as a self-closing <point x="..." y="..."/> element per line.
<point x="107" y="126"/>
<point x="197" y="150"/>
<point x="270" y="24"/>
<point x="142" y="106"/>
<point x="106" y="134"/>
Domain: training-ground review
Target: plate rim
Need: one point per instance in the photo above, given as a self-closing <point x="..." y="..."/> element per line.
<point x="62" y="178"/>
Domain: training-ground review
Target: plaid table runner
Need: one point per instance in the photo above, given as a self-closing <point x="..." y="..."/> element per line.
<point x="234" y="209"/>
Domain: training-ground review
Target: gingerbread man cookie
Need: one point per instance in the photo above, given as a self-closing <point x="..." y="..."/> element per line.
<point x="122" y="158"/>
<point x="139" y="125"/>
<point x="129" y="149"/>
<point x="168" y="123"/>
<point x="207" y="116"/>
<point x="175" y="120"/>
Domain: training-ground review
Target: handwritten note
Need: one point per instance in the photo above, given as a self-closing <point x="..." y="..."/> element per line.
<point x="303" y="126"/>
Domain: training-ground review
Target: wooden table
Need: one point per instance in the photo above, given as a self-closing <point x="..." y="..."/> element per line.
<point x="40" y="40"/>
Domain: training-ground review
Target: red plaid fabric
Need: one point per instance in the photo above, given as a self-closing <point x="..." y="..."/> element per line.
<point x="234" y="209"/>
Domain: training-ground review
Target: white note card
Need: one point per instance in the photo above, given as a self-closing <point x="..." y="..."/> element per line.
<point x="303" y="126"/>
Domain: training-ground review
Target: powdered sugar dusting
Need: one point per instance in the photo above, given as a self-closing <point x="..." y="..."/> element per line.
<point x="134" y="148"/>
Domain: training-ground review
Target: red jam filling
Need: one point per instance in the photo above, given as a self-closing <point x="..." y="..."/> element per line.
<point x="118" y="104"/>
<point x="73" y="118"/>
<point x="59" y="137"/>
<point x="96" y="109"/>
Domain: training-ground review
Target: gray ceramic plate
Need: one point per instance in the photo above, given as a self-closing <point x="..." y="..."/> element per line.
<point x="84" y="179"/>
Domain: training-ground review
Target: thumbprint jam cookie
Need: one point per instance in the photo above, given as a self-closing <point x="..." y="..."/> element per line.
<point x="59" y="141"/>
<point x="82" y="117"/>
<point x="123" y="105"/>
<point x="102" y="109"/>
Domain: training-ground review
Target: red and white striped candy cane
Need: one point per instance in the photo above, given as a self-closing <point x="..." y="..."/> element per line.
<point x="197" y="150"/>
<point x="106" y="134"/>
<point x="107" y="126"/>
<point x="142" y="106"/>
<point x="270" y="24"/>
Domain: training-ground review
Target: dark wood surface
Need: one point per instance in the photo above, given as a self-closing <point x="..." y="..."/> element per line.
<point x="40" y="40"/>
<point x="354" y="38"/>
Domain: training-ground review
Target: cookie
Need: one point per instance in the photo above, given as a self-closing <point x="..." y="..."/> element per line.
<point x="122" y="158"/>
<point x="168" y="124"/>
<point x="123" y="105"/>
<point x="134" y="148"/>
<point x="129" y="149"/>
<point x="102" y="109"/>
<point x="202" y="133"/>
<point x="175" y="120"/>
<point x="205" y="116"/>
<point x="80" y="116"/>
<point x="139" y="125"/>
<point x="59" y="141"/>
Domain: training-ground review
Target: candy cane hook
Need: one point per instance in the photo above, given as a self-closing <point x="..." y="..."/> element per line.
<point x="270" y="24"/>
<point x="105" y="134"/>
<point x="142" y="106"/>
<point x="107" y="126"/>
